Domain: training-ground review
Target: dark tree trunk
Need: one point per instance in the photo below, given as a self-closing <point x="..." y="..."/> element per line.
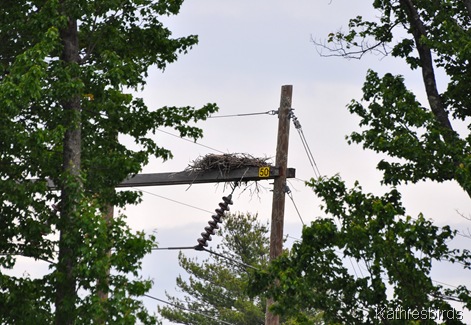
<point x="71" y="186"/>
<point x="428" y="73"/>
<point x="418" y="29"/>
<point x="467" y="3"/>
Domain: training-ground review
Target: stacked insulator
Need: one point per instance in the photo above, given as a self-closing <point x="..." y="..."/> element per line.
<point x="213" y="224"/>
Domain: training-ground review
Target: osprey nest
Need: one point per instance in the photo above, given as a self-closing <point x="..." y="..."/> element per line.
<point x="226" y="162"/>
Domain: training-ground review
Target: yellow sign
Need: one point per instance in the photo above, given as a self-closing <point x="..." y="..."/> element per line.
<point x="264" y="172"/>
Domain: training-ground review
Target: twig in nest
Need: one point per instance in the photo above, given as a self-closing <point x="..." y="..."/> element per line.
<point x="226" y="162"/>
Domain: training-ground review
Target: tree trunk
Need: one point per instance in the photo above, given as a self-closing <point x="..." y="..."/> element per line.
<point x="71" y="187"/>
<point x="417" y="29"/>
<point x="103" y="283"/>
<point x="467" y="3"/>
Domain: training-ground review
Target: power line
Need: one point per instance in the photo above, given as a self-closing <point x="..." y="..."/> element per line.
<point x="294" y="238"/>
<point x="250" y="266"/>
<point x="272" y="112"/>
<point x="171" y="200"/>
<point x="308" y="151"/>
<point x="384" y="277"/>
<point x="187" y="309"/>
<point x="173" y="248"/>
<point x="337" y="221"/>
<point x="191" y="141"/>
<point x="200" y="248"/>
<point x="443" y="283"/>
<point x="290" y="195"/>
<point x="177" y="136"/>
<point x="226" y="257"/>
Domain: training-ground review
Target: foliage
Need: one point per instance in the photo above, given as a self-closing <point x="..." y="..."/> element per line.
<point x="427" y="142"/>
<point x="401" y="127"/>
<point x="217" y="287"/>
<point x="65" y="67"/>
<point x="424" y="141"/>
<point x="393" y="252"/>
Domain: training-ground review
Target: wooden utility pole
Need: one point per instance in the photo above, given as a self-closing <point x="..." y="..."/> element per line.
<point x="279" y="187"/>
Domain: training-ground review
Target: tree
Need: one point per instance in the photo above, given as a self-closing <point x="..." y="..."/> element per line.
<point x="396" y="251"/>
<point x="394" y="121"/>
<point x="393" y="253"/>
<point x="217" y="286"/>
<point x="65" y="68"/>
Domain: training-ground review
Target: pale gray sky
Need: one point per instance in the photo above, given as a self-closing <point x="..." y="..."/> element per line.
<point x="248" y="49"/>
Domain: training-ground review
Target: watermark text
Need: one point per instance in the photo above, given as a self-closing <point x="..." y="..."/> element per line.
<point x="399" y="313"/>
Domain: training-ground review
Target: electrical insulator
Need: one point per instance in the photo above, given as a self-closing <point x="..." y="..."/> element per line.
<point x="296" y="122"/>
<point x="227" y="199"/>
<point x="213" y="224"/>
<point x="206" y="236"/>
<point x="216" y="218"/>
<point x="209" y="230"/>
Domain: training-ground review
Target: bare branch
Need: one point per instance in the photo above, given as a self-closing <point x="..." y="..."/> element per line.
<point x="342" y="49"/>
<point x="463" y="216"/>
<point x="353" y="50"/>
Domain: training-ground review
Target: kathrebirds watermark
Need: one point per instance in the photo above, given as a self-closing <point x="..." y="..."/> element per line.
<point x="400" y="313"/>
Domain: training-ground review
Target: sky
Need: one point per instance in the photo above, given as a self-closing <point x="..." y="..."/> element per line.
<point x="247" y="50"/>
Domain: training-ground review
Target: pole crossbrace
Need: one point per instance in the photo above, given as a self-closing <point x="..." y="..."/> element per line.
<point x="246" y="174"/>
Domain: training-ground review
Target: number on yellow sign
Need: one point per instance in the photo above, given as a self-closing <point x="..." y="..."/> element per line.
<point x="264" y="172"/>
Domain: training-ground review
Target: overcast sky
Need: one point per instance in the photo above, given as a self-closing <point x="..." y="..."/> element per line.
<point x="248" y="49"/>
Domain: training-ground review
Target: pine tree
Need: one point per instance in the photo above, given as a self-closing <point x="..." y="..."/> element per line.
<point x="217" y="286"/>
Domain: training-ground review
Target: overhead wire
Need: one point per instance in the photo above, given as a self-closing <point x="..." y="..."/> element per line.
<point x="294" y="238"/>
<point x="305" y="144"/>
<point x="187" y="309"/>
<point x="250" y="266"/>
<point x="314" y="167"/>
<point x="272" y="112"/>
<point x="311" y="161"/>
<point x="316" y="171"/>
<point x="191" y="141"/>
<point x="300" y="180"/>
<point x="290" y="195"/>
<point x="199" y="248"/>
<point x="172" y="248"/>
<point x="228" y="258"/>
<point x="360" y="269"/>
<point x="338" y="223"/>
<point x="171" y="200"/>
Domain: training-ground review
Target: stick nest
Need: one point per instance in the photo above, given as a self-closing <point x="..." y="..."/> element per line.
<point x="226" y="162"/>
